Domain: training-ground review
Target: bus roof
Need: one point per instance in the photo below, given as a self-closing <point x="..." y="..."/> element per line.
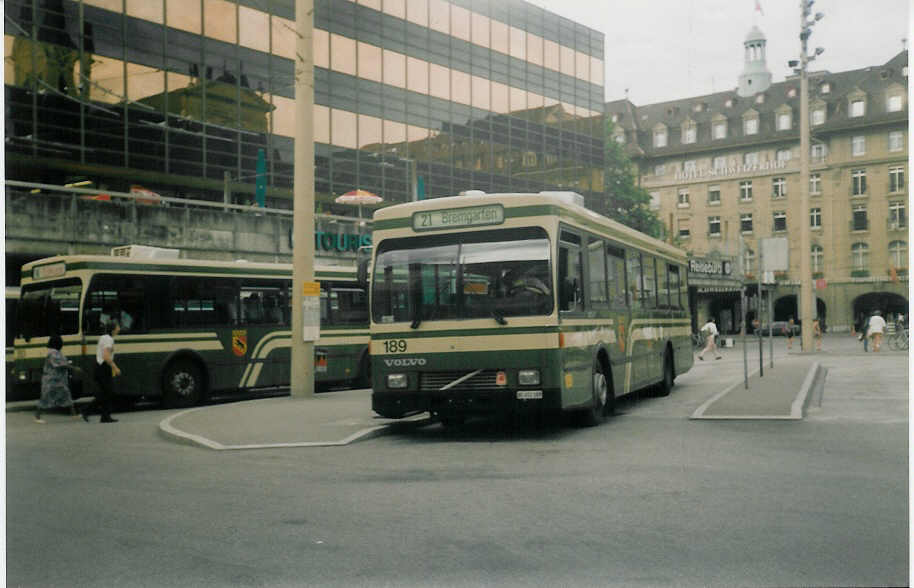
<point x="63" y="264"/>
<point x="558" y="203"/>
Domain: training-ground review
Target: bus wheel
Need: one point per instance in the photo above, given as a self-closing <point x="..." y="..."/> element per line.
<point x="666" y="384"/>
<point x="183" y="384"/>
<point x="596" y="414"/>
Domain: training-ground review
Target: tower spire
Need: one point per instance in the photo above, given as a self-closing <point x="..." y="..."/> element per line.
<point x="755" y="77"/>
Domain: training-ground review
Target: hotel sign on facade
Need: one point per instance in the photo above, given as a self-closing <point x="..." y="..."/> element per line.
<point x="733" y="170"/>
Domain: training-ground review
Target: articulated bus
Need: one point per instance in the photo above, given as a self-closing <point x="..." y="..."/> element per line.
<point x="190" y="329"/>
<point x="491" y="304"/>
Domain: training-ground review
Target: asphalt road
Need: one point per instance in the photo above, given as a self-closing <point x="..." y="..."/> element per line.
<point x="648" y="499"/>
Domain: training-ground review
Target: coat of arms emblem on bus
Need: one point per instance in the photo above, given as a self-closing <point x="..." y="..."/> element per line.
<point x="239" y="342"/>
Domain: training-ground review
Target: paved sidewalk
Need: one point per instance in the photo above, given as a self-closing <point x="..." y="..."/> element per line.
<point x="327" y="419"/>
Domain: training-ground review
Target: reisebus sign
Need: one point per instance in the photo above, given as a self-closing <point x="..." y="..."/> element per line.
<point x="455" y="218"/>
<point x="711" y="267"/>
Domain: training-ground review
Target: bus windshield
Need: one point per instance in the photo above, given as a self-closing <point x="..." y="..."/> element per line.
<point x="495" y="274"/>
<point x="50" y="308"/>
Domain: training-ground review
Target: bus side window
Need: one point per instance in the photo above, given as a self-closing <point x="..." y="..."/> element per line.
<point x="635" y="290"/>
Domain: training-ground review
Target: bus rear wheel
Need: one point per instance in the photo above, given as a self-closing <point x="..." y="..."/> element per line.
<point x="666" y="384"/>
<point x="183" y="384"/>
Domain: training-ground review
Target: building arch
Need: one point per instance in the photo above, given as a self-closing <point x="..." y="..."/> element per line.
<point x="889" y="303"/>
<point x="787" y="306"/>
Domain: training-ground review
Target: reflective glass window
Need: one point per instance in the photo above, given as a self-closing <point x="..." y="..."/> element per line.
<point x="417" y="12"/>
<point x="320" y="41"/>
<point x="342" y="54"/>
<point x="518" y="99"/>
<point x="535" y="49"/>
<point x="596" y="71"/>
<point x="254" y="25"/>
<point x="220" y="20"/>
<point x="370" y="61"/>
<point x="518" y="43"/>
<point x="481" y="93"/>
<point x="499" y="98"/>
<point x="284" y="38"/>
<point x="499" y="36"/>
<point x="551" y="55"/>
<point x="343" y="128"/>
<point x="184" y="15"/>
<point x="417" y="75"/>
<point x="376" y="4"/>
<point x="460" y="87"/>
<point x="566" y="55"/>
<point x="151" y="10"/>
<point x="582" y="66"/>
<point x="480" y="26"/>
<point x="395" y="8"/>
<point x="439" y="15"/>
<point x="370" y="129"/>
<point x="439" y="81"/>
<point x="394" y="69"/>
<point x="283" y="117"/>
<point x="394" y="132"/>
<point x="460" y="22"/>
<point x="321" y="124"/>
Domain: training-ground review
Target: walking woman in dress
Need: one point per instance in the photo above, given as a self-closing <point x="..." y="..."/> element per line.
<point x="55" y="386"/>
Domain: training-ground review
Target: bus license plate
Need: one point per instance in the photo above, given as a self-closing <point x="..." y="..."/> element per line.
<point x="529" y="394"/>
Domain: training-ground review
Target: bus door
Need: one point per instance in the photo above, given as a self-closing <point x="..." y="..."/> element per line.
<point x="262" y="338"/>
<point x="577" y="361"/>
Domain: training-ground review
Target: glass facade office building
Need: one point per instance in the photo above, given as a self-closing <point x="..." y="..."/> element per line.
<point x="412" y="98"/>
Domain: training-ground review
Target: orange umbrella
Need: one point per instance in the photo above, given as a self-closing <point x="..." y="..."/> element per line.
<point x="358" y="197"/>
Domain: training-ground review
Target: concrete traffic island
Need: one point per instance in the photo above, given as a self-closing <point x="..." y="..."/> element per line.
<point x="327" y="419"/>
<point x="782" y="394"/>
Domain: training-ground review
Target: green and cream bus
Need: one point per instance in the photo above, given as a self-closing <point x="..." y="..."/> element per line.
<point x="190" y="329"/>
<point x="486" y="304"/>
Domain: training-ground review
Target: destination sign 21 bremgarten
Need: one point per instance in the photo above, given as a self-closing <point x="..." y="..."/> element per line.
<point x="455" y="218"/>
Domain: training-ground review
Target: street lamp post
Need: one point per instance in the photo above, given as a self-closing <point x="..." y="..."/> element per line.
<point x="806" y="310"/>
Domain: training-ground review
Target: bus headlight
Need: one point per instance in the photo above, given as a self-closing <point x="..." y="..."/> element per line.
<point x="396" y="381"/>
<point x="528" y="377"/>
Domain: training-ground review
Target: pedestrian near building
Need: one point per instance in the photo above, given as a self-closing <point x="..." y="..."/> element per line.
<point x="875" y="330"/>
<point x="55" y="385"/>
<point x="817" y="333"/>
<point x="790" y="328"/>
<point x="710" y="331"/>
<point x="105" y="372"/>
<point x="863" y="324"/>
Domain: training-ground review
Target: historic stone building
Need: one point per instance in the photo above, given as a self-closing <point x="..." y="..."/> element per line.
<point x="723" y="172"/>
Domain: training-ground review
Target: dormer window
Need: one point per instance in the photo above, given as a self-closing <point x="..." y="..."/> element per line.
<point x="895" y="102"/>
<point x="698" y="107"/>
<point x="857" y="107"/>
<point x="760" y="99"/>
<point x="817" y="116"/>
<point x="784" y="121"/>
<point x="750" y="126"/>
<point x="792" y="93"/>
<point x="660" y="137"/>
<point x="689" y="132"/>
<point x="729" y="103"/>
<point x="719" y="129"/>
<point x="825" y="88"/>
<point x="615" y="117"/>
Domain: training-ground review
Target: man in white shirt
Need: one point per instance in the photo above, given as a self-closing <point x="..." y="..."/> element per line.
<point x="876" y="328"/>
<point x="105" y="371"/>
<point x="710" y="331"/>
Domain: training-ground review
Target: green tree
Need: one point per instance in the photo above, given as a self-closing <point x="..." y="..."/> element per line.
<point x="623" y="199"/>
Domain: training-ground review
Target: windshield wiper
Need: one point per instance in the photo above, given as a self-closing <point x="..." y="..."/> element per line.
<point x="498" y="316"/>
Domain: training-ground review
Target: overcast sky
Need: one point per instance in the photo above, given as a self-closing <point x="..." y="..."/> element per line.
<point x="670" y="49"/>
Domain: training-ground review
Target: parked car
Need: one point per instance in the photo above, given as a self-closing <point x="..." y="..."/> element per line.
<point x="778" y="328"/>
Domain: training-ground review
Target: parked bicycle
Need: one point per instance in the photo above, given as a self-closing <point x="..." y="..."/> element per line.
<point x="898" y="340"/>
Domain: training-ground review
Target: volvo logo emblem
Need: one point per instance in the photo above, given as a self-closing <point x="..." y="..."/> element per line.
<point x="406" y="362"/>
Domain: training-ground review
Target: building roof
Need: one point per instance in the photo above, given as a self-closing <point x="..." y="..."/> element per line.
<point x="873" y="82"/>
